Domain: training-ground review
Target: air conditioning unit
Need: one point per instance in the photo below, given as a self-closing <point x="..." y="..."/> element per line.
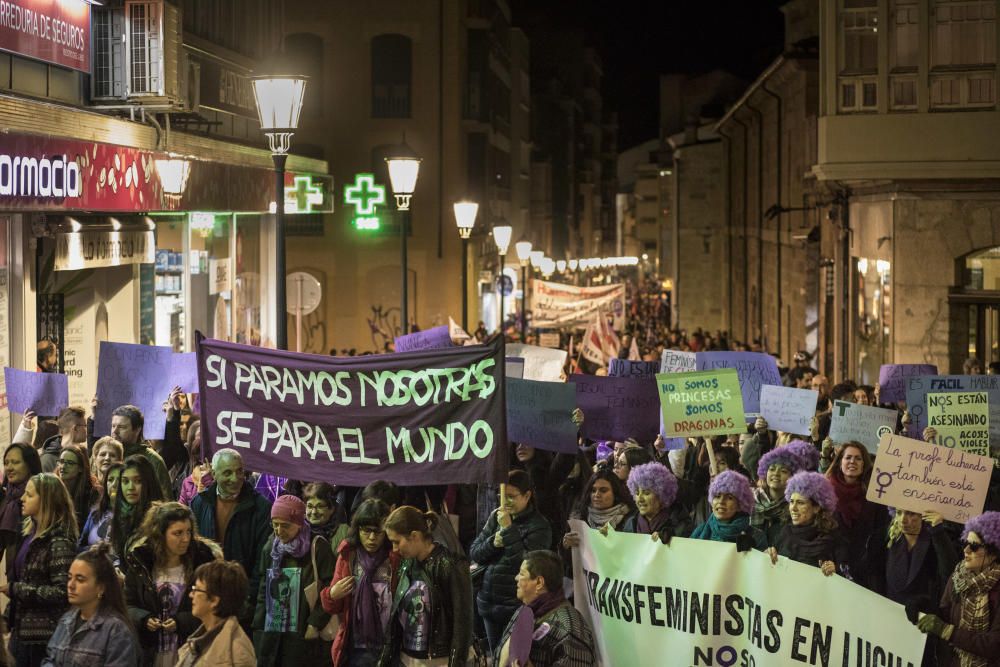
<point x="138" y="57"/>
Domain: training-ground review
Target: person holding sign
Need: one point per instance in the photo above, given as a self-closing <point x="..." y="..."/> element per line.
<point x="770" y="511"/>
<point x="560" y="636"/>
<point x="732" y="501"/>
<point x="654" y="488"/>
<point x="862" y="523"/>
<point x="812" y="537"/>
<point x="293" y="563"/>
<point x="971" y="598"/>
<point x="604" y="501"/>
<point x="515" y="528"/>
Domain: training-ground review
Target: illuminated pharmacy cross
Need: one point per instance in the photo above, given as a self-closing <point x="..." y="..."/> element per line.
<point x="364" y="194"/>
<point x="304" y="194"/>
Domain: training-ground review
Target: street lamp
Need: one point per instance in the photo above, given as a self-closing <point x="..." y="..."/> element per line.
<point x="465" y="218"/>
<point x="173" y="173"/>
<point x="536" y="258"/>
<point x="501" y="236"/>
<point x="523" y="249"/>
<point x="404" y="167"/>
<point x="279" y="103"/>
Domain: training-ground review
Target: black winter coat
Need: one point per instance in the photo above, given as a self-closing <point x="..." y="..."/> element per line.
<point x="143" y="601"/>
<point x="38" y="597"/>
<point x="916" y="578"/>
<point x="529" y="530"/>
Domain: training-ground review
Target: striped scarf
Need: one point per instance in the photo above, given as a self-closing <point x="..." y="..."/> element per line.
<point x="973" y="591"/>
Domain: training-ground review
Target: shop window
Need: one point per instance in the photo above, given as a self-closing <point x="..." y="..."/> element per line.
<point x="873" y="316"/>
<point x="391" y="62"/>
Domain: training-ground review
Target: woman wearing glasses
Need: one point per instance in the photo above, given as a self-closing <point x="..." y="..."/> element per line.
<point x="219" y="590"/>
<point x="361" y="590"/>
<point x="969" y="625"/>
<point x="73" y="469"/>
<point x="513" y="530"/>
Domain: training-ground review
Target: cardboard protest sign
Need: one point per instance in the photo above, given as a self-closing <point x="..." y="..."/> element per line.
<point x="860" y="423"/>
<point x="555" y="305"/>
<point x="892" y="379"/>
<point x="755" y="370"/>
<point x="133" y="374"/>
<point x="917" y="476"/>
<point x="514" y="367"/>
<point x="632" y="369"/>
<point x="918" y="387"/>
<point x="549" y="339"/>
<point x="540" y="414"/>
<point x="184" y="372"/>
<point x="429" y="339"/>
<point x="701" y="403"/>
<point x="45" y="393"/>
<point x="540" y="363"/>
<point x="788" y="409"/>
<point x="676" y="361"/>
<point x="962" y="420"/>
<point x="700" y="602"/>
<point x="617" y="408"/>
<point x="424" y="417"/>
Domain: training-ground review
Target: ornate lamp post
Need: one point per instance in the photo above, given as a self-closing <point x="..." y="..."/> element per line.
<point x="523" y="249"/>
<point x="501" y="236"/>
<point x="404" y="167"/>
<point x="465" y="218"/>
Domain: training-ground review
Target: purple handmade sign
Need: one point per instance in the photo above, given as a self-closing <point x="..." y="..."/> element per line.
<point x="517" y="651"/>
<point x="892" y="379"/>
<point x="184" y="372"/>
<point x="540" y="414"/>
<point x="45" y="393"/>
<point x="133" y="374"/>
<point x="618" y="408"/>
<point x="415" y="418"/>
<point x="754" y="369"/>
<point x="624" y="368"/>
<point x="431" y="339"/>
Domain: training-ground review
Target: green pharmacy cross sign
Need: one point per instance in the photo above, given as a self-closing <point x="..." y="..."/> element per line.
<point x="303" y="195"/>
<point x="364" y="195"/>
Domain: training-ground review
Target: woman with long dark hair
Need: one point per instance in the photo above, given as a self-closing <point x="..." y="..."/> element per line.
<point x="137" y="490"/>
<point x="605" y="501"/>
<point x="97" y="527"/>
<point x="161" y="567"/>
<point x="360" y="592"/>
<point x="38" y="575"/>
<point x="96" y="630"/>
<point x="20" y="462"/>
<point x="73" y="468"/>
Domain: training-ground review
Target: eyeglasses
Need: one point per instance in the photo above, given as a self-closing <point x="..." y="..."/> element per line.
<point x="66" y="463"/>
<point x="972" y="546"/>
<point x="369" y="530"/>
<point x="199" y="590"/>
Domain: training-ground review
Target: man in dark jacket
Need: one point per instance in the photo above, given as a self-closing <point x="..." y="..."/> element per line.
<point x="233" y="514"/>
<point x="72" y="423"/>
<point x="126" y="427"/>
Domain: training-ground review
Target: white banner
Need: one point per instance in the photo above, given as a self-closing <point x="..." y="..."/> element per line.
<point x="696" y="602"/>
<point x="540" y="363"/>
<point x="558" y="305"/>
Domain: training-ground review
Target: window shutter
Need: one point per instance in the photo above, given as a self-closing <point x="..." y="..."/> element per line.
<point x="154" y="36"/>
<point x="117" y="52"/>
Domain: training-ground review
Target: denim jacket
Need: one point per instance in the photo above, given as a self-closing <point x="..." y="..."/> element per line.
<point x="104" y="640"/>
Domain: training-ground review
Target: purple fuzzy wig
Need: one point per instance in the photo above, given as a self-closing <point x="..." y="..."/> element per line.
<point x="807" y="453"/>
<point x="735" y="484"/>
<point x="813" y="486"/>
<point x="654" y="477"/>
<point x="986" y="526"/>
<point x="782" y="456"/>
<point x="604" y="450"/>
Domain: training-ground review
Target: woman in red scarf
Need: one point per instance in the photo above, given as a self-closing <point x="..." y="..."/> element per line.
<point x="863" y="524"/>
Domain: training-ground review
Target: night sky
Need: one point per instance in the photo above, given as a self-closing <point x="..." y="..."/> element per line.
<point x="639" y="40"/>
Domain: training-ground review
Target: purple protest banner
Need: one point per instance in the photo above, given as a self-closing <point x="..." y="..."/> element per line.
<point x="184" y="372"/>
<point x="45" y="393"/>
<point x="624" y="368"/>
<point x="133" y="374"/>
<point x="618" y="408"/>
<point x="540" y="414"/>
<point x="414" y="418"/>
<point x="754" y="369"/>
<point x="431" y="339"/>
<point x="892" y="380"/>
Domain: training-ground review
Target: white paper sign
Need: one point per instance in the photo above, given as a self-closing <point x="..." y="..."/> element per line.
<point x="860" y="423"/>
<point x="540" y="363"/>
<point x="788" y="409"/>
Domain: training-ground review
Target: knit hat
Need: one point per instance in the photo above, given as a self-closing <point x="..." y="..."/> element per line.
<point x="735" y="484"/>
<point x="782" y="456"/>
<point x="813" y="486"/>
<point x="290" y="509"/>
<point x="986" y="526"/>
<point x="807" y="453"/>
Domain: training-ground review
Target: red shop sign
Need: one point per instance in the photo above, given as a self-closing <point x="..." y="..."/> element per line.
<point x="56" y="31"/>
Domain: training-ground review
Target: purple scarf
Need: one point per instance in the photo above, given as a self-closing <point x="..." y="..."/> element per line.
<point x="367" y="621"/>
<point x="10" y="508"/>
<point x="649" y="527"/>
<point x="546" y="602"/>
<point x="297" y="548"/>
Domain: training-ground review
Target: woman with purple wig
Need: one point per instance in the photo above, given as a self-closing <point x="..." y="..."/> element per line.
<point x="770" y="510"/>
<point x="732" y="501"/>
<point x="812" y="537"/>
<point x="969" y="625"/>
<point x="654" y="489"/>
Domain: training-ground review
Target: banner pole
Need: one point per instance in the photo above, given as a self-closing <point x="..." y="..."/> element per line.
<point x="712" y="467"/>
